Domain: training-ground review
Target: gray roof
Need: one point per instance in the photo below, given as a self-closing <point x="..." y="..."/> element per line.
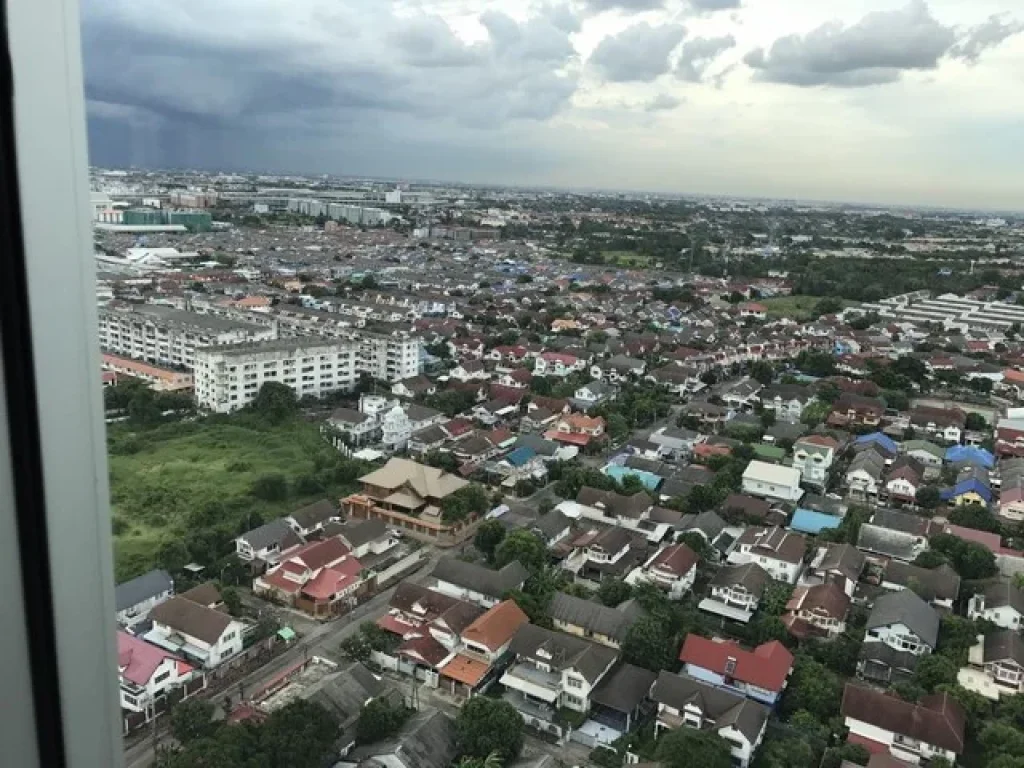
<point x="1004" y="644"/>
<point x="142" y="588"/>
<point x="345" y="692"/>
<point x="348" y="416"/>
<point x="427" y="740"/>
<point x="942" y="583"/>
<point x="593" y="617"/>
<point x="883" y="662"/>
<point x="708" y="523"/>
<point x="632" y="506"/>
<point x="275" y="532"/>
<point x="750" y="576"/>
<point x="905" y="607"/>
<point x="539" y="444"/>
<point x="721" y="706"/>
<point x="1003" y="592"/>
<point x="625" y="688"/>
<point x="364" y="532"/>
<point x="417" y="412"/>
<point x="598" y="387"/>
<point x="886" y="541"/>
<point x="563" y="651"/>
<point x="480" y="579"/>
<point x="549" y="525"/>
<point x="844" y="558"/>
<point x="867" y="461"/>
<point x="901" y="521"/>
<point x="317" y="512"/>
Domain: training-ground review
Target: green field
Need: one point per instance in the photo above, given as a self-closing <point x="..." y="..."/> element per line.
<point x="626" y="258"/>
<point x="185" y="490"/>
<point x="795" y="307"/>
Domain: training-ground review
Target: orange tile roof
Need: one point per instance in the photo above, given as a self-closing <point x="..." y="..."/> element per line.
<point x="496" y="627"/>
<point x="463" y="669"/>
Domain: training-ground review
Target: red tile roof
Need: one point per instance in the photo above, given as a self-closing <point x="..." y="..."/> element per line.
<point x="766" y="666"/>
<point x="138" y="659"/>
<point x="496" y="627"/>
<point x="331" y="581"/>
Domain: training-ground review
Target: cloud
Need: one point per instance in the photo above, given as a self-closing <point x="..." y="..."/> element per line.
<point x="639" y="53"/>
<point x="709" y="6"/>
<point x="700" y="53"/>
<point x="663" y="102"/>
<point x="633" y="6"/>
<point x="877" y="49"/>
<point x="986" y="35"/>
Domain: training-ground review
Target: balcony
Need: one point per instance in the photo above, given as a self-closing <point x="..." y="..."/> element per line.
<point x="533" y="682"/>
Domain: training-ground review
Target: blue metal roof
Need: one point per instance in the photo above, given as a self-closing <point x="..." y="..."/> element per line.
<point x="971" y="484"/>
<point x="809" y="521"/>
<point x="520" y="455"/>
<point x="881" y="439"/>
<point x="970" y="454"/>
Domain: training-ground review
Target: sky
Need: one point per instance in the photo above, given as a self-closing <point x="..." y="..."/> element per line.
<point x="901" y="102"/>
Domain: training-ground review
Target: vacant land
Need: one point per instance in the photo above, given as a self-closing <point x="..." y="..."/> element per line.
<point x="185" y="490"/>
<point x="795" y="307"/>
<point x="626" y="258"/>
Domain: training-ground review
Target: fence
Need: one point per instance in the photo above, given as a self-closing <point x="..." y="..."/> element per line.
<point x="399" y="569"/>
<point x="396" y="664"/>
<point x="585" y="739"/>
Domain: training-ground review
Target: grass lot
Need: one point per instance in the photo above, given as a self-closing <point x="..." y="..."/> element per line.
<point x="626" y="258"/>
<point x="795" y="307"/>
<point x="192" y="483"/>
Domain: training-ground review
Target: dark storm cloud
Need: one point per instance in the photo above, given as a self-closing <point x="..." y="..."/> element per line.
<point x="639" y="53"/>
<point x="877" y="49"/>
<point x="700" y="53"/>
<point x="986" y="35"/>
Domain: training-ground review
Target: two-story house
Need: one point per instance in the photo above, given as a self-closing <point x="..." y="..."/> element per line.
<point x="266" y="543"/>
<point x="904" y="479"/>
<point x="995" y="665"/>
<point x="787" y="401"/>
<point x="901" y="629"/>
<point x="284" y="580"/>
<point x="778" y="551"/>
<point x="684" y="702"/>
<point x="591" y="394"/>
<point x="772" y="481"/>
<point x="813" y="457"/>
<point x="312" y="518"/>
<point x="1001" y="602"/>
<point x="593" y="621"/>
<point x="817" y="611"/>
<point x="484" y="647"/>
<point x="864" y="475"/>
<point x="839" y="564"/>
<point x="611" y="553"/>
<point x="147" y="674"/>
<point x="557" y="364"/>
<point x="913" y="732"/>
<point x="477" y="583"/>
<point x="759" y="674"/>
<point x="135" y="598"/>
<point x="939" y="586"/>
<point x="947" y="424"/>
<point x="553" y="670"/>
<point x="673" y="568"/>
<point x="201" y="635"/>
<point x="367" y="537"/>
<point x="736" y="591"/>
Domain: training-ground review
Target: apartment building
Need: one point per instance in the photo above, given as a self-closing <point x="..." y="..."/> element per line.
<point x="229" y="377"/>
<point x="387" y="357"/>
<point x="169" y="336"/>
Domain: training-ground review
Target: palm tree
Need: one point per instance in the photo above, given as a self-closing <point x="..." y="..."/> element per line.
<point x="493" y="760"/>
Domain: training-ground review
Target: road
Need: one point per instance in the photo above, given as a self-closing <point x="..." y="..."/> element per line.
<point x="323" y="640"/>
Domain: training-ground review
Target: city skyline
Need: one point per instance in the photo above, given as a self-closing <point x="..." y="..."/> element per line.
<point x="875" y="103"/>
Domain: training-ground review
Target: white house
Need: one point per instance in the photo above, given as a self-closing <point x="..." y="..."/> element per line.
<point x="995" y="665"/>
<point x="736" y="591"/>
<point x="476" y="583"/>
<point x="267" y="542"/>
<point x="202" y="635"/>
<point x="593" y="393"/>
<point x="901" y="629"/>
<point x="778" y="551"/>
<point x="135" y="598"/>
<point x="864" y="475"/>
<point x="772" y="481"/>
<point x="1002" y="603"/>
<point x="557" y="364"/>
<point x="684" y="702"/>
<point x="147" y="673"/>
<point x="812" y="457"/>
<point x="673" y="568"/>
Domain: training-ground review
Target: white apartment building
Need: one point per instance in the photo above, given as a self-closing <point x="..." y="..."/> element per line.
<point x="229" y="377"/>
<point x="387" y="358"/>
<point x="169" y="336"/>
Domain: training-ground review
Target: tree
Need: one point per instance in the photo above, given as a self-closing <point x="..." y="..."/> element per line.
<point x="379" y="719"/>
<point x="488" y="537"/>
<point x="976" y="422"/>
<point x="776" y="595"/>
<point x="618" y="427"/>
<point x="927" y="497"/>
<point x="687" y="747"/>
<point x="934" y="670"/>
<point x="812" y="686"/>
<point x="614" y="592"/>
<point x="815" y="413"/>
<point x="650" y="643"/>
<point x="270" y="487"/>
<point x="472" y="500"/>
<point x="762" y="372"/>
<point x="232" y="600"/>
<point x="524" y="546"/>
<point x="970" y="560"/>
<point x="827" y="306"/>
<point x="192" y="719"/>
<point x="975" y="516"/>
<point x="493" y="760"/>
<point x="488" y="726"/>
<point x="275" y="402"/>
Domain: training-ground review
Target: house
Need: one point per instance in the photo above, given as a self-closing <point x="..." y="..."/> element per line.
<point x="939" y="586"/>
<point x="675" y="441"/>
<point x="476" y="583"/>
<point x="856" y="411"/>
<point x="344" y="693"/>
<point x="901" y="629"/>
<point x="415" y="386"/>
<point x="557" y="364"/>
<point x="972" y="487"/>
<point x="201" y="635"/>
<point x="469" y="370"/>
<point x="741" y="395"/>
<point x="772" y="481"/>
<point x="553" y="670"/>
<point x="759" y="674"/>
<point x="673" y="568"/>
<point x="787" y="401"/>
<point x="620" y="701"/>
<point x="864" y="475"/>
<point x="813" y="456"/>
<point x="904" y="479"/>
<point x="147" y="674"/>
<point x="407" y="495"/>
<point x="413" y="608"/>
<point x="897" y="535"/>
<point x="743" y="508"/>
<point x="355" y="427"/>
<point x="520" y="378"/>
<point x="426" y="740"/>
<point x="946" y="424"/>
<point x="207" y="593"/>
<point x="579" y="426"/>
<point x="426" y="440"/>
<point x="914" y="732"/>
<point x="995" y="665"/>
<point x="484" y="645"/>
<point x="839" y="564"/>
<point x="778" y="551"/>
<point x="618" y="368"/>
<point x="1001" y="602"/>
<point x="367" y="537"/>
<point x="817" y="611"/>
<point x="135" y="598"/>
<point x="1011" y="503"/>
<point x="265" y="544"/>
<point x="736" y="591"/>
<point x="689" y="703"/>
<point x="593" y="621"/>
<point x="603" y="554"/>
<point x="926" y="453"/>
<point x="312" y="518"/>
<point x="612" y="506"/>
<point x="285" y="579"/>
<point x="552" y="528"/>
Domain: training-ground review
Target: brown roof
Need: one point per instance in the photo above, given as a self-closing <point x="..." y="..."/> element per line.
<point x="459" y="616"/>
<point x="822" y="597"/>
<point x="777" y="543"/>
<point x="678" y="559"/>
<point x="206" y="594"/>
<point x="937" y="719"/>
<point x="191" y="619"/>
<point x="497" y="626"/>
<point x="419" y="601"/>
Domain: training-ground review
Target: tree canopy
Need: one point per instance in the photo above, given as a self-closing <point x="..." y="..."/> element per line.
<point x="524" y="546"/>
<point x="488" y="726"/>
<point x="689" y="747"/>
